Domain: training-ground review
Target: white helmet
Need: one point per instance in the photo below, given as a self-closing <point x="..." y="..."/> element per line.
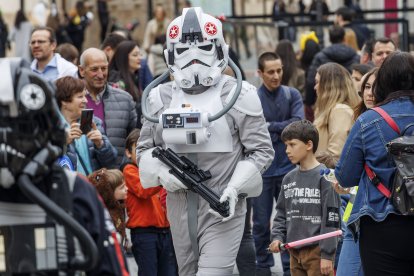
<point x="196" y="52"/>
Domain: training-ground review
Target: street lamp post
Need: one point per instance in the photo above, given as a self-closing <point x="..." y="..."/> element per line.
<point x="149" y="5"/>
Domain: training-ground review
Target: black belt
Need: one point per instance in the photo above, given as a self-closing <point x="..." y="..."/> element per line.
<point x="151" y="229"/>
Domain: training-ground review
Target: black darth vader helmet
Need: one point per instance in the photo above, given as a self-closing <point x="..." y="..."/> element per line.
<point x="29" y="118"/>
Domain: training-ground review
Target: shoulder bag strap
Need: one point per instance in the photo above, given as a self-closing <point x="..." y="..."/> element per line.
<point x="377" y="182"/>
<point x="390" y="121"/>
<point x="371" y="174"/>
<point x="82" y="162"/>
<point x="406" y="129"/>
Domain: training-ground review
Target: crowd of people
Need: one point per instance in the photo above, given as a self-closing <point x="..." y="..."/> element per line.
<point x="311" y="112"/>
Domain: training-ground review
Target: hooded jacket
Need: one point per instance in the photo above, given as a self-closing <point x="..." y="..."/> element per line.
<point x="338" y="53"/>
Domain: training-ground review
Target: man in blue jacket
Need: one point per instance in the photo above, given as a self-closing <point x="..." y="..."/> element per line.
<point x="281" y="105"/>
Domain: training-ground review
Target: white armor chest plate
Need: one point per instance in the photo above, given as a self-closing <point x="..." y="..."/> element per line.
<point x="220" y="139"/>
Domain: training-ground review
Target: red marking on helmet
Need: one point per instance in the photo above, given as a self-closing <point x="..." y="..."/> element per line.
<point x="210" y="28"/>
<point x="174" y="31"/>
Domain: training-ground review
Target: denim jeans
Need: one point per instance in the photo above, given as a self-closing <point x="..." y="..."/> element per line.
<point x="154" y="253"/>
<point x="349" y="260"/>
<point x="262" y="212"/>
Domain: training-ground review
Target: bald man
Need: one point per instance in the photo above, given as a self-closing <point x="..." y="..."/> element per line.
<point x="113" y="106"/>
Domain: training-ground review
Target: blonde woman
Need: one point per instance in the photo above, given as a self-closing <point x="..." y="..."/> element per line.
<point x="336" y="98"/>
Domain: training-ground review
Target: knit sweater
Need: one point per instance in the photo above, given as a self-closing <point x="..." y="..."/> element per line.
<point x="307" y="206"/>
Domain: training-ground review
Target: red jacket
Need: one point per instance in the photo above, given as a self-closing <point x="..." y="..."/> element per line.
<point x="143" y="205"/>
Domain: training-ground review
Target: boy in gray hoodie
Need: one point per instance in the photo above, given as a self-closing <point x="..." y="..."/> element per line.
<point x="307" y="205"/>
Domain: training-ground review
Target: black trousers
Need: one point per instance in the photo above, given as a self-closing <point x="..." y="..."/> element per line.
<point x="387" y="247"/>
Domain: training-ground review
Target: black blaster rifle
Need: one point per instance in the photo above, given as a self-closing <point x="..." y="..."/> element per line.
<point x="192" y="177"/>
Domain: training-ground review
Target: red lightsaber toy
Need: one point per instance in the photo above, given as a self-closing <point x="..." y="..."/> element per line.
<point x="284" y="246"/>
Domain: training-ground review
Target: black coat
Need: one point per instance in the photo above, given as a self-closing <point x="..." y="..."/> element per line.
<point x="4" y="33"/>
<point x="339" y="53"/>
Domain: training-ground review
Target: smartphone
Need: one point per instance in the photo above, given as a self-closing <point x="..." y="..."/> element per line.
<point x="86" y="120"/>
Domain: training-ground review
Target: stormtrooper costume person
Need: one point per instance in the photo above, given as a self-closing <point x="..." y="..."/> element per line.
<point x="52" y="221"/>
<point x="199" y="115"/>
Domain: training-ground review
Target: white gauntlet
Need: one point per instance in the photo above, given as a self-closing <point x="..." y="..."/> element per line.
<point x="153" y="173"/>
<point x="247" y="180"/>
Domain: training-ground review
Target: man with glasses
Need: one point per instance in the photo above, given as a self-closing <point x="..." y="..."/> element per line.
<point x="49" y="65"/>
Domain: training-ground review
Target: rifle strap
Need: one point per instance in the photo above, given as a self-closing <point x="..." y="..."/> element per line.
<point x="192" y="212"/>
<point x="192" y="215"/>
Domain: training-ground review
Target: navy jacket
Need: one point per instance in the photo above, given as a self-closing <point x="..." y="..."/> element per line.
<point x="280" y="108"/>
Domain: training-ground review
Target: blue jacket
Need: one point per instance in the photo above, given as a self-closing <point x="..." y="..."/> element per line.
<point x="145" y="76"/>
<point x="366" y="143"/>
<point x="105" y="157"/>
<point x="280" y="108"/>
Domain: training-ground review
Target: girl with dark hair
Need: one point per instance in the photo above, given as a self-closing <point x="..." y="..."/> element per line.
<point x="293" y="76"/>
<point x="379" y="226"/>
<point x="20" y="18"/>
<point x="366" y="93"/>
<point x="123" y="72"/>
<point x="123" y="67"/>
<point x="395" y="79"/>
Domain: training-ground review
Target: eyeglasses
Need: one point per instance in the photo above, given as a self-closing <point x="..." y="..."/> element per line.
<point x="40" y="42"/>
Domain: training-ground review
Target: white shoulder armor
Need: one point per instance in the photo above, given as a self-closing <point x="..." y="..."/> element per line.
<point x="248" y="101"/>
<point x="154" y="101"/>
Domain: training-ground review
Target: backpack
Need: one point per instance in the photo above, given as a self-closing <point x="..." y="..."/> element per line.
<point x="401" y="149"/>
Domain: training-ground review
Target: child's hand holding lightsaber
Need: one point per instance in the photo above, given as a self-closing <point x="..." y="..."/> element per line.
<point x="329" y="175"/>
<point x="276" y="246"/>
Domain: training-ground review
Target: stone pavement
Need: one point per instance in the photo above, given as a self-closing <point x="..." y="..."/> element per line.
<point x="276" y="270"/>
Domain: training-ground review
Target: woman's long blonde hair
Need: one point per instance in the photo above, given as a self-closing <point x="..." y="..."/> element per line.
<point x="335" y="87"/>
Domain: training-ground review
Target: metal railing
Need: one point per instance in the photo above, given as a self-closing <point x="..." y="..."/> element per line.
<point x="313" y="14"/>
<point x="263" y="32"/>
